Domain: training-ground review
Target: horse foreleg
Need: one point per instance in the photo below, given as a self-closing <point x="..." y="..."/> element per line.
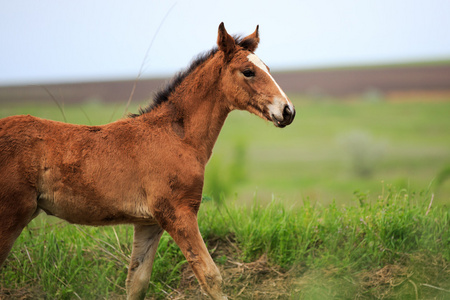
<point x="146" y="239"/>
<point x="187" y="236"/>
<point x="17" y="209"/>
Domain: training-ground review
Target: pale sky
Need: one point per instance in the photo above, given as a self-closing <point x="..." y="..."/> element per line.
<point x="61" y="41"/>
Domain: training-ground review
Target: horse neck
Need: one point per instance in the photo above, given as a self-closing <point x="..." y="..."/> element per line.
<point x="201" y="109"/>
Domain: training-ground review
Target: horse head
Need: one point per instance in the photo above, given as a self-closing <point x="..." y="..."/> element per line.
<point x="246" y="80"/>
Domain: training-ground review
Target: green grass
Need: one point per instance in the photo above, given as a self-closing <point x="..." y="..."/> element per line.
<point x="367" y="234"/>
<point x="66" y="261"/>
<point x="352" y="182"/>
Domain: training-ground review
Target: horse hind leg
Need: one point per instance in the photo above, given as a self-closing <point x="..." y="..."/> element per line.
<point x="17" y="209"/>
<point x="145" y="244"/>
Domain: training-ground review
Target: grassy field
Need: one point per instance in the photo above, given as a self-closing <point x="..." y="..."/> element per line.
<point x="334" y="206"/>
<point x="334" y="149"/>
<point x="395" y="247"/>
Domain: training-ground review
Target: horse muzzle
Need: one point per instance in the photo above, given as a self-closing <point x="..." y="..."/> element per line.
<point x="285" y="118"/>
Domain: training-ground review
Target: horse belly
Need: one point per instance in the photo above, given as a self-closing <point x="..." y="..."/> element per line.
<point x="80" y="210"/>
<point x="74" y="192"/>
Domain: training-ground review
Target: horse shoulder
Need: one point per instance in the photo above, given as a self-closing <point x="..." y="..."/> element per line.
<point x="19" y="142"/>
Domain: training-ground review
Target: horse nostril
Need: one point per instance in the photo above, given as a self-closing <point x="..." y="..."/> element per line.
<point x="288" y="115"/>
<point x="287" y="112"/>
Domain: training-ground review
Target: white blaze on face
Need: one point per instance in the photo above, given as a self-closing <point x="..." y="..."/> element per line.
<point x="277" y="101"/>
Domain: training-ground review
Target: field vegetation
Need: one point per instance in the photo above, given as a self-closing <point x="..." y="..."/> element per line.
<point x="349" y="202"/>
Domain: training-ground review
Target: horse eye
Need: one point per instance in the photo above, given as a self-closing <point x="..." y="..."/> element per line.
<point x="248" y="73"/>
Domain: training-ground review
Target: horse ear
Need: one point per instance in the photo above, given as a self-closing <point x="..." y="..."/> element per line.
<point x="251" y="42"/>
<point x="225" y="41"/>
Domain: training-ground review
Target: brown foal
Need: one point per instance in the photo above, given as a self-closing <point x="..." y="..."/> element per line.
<point x="145" y="170"/>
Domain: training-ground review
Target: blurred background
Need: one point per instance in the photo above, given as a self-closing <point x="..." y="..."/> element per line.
<point x="370" y="81"/>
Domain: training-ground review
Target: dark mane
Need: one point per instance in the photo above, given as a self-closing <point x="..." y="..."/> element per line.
<point x="163" y="95"/>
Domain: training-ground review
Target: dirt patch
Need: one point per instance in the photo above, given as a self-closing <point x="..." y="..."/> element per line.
<point x="242" y="280"/>
<point x="260" y="279"/>
<point x="382" y="281"/>
<point x="24" y="293"/>
<point x="254" y="280"/>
